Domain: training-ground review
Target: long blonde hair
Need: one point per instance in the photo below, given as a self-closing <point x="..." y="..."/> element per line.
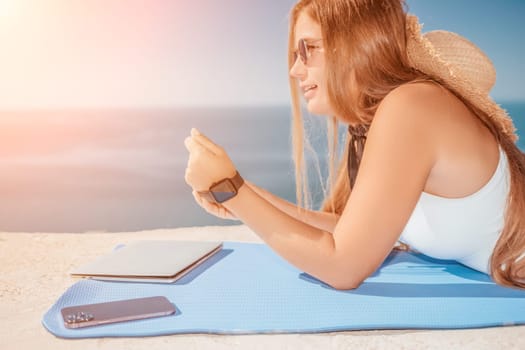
<point x="370" y="40"/>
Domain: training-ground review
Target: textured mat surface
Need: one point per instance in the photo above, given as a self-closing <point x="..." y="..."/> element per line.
<point x="247" y="288"/>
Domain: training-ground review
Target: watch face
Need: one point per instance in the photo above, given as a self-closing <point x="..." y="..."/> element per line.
<point x="223" y="191"/>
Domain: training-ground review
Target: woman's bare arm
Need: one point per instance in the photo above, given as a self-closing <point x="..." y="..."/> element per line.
<point x="322" y="220"/>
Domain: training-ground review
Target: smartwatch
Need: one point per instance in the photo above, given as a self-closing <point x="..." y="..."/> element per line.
<point x="223" y="190"/>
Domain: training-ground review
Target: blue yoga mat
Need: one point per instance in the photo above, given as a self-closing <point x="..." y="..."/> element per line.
<point x="247" y="288"/>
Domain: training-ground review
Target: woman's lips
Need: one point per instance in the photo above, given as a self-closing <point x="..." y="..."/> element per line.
<point x="309" y="91"/>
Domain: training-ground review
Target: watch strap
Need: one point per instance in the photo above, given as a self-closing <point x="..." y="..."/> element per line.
<point x="236" y="180"/>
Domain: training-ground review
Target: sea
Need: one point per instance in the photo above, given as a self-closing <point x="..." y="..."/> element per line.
<point x="113" y="170"/>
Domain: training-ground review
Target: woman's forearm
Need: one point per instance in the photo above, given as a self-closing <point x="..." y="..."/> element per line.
<point x="322" y="220"/>
<point x="307" y="247"/>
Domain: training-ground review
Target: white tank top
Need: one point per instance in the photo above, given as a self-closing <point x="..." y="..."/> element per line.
<point x="462" y="229"/>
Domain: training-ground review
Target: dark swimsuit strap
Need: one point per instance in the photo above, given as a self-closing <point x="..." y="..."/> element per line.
<point x="355" y="150"/>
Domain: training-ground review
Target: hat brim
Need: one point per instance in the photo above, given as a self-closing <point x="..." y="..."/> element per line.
<point x="427" y="58"/>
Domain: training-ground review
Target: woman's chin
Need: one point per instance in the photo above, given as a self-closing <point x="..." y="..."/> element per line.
<point x="316" y="108"/>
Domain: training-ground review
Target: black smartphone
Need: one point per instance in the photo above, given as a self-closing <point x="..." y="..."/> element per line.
<point x="80" y="316"/>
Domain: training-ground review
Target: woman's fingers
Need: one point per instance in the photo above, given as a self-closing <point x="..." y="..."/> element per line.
<point x="213" y="208"/>
<point x="193" y="145"/>
<point x="204" y="141"/>
<point x="197" y="197"/>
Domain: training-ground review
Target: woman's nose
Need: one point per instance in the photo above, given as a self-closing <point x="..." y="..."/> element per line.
<point x="298" y="69"/>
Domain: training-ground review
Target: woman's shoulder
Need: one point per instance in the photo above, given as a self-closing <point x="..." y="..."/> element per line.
<point x="434" y="107"/>
<point x="424" y="106"/>
<point x="434" y="121"/>
<point x="419" y="96"/>
<point x="419" y="106"/>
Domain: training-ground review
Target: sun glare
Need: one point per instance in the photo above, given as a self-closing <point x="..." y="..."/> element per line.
<point x="7" y="8"/>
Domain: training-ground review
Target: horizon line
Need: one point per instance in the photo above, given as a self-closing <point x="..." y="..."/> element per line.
<point x="172" y="107"/>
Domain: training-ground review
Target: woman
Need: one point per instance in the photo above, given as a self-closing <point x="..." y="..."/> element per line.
<point x="439" y="170"/>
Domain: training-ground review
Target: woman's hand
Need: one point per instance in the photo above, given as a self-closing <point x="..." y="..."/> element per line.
<point x="214" y="208"/>
<point x="208" y="163"/>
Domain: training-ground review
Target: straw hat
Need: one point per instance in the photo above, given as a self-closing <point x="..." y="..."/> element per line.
<point x="459" y="65"/>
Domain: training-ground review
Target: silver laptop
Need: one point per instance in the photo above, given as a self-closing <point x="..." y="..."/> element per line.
<point x="149" y="261"/>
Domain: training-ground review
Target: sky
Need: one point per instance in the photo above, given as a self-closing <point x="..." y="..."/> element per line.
<point x="171" y="53"/>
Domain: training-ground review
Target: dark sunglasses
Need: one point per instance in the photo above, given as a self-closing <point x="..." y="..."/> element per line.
<point x="304" y="50"/>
